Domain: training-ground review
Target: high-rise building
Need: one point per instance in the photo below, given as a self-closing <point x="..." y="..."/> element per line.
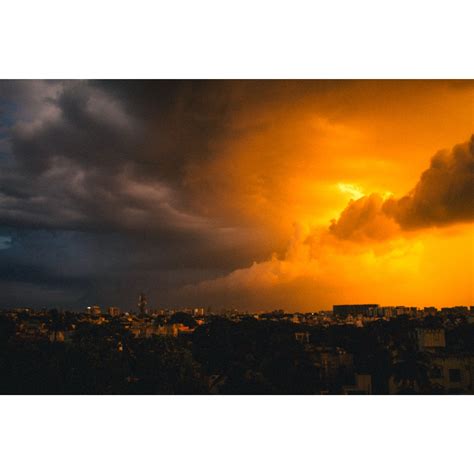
<point x="354" y="309"/>
<point x="142" y="309"/>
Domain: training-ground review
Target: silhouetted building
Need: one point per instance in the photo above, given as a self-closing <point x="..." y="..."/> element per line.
<point x="430" y="339"/>
<point x="302" y="336"/>
<point x="453" y="373"/>
<point x="362" y="385"/>
<point x="142" y="303"/>
<point x="355" y="309"/>
<point x="113" y="311"/>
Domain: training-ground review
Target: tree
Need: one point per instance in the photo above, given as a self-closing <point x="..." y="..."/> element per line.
<point x="410" y="371"/>
<point x="183" y="318"/>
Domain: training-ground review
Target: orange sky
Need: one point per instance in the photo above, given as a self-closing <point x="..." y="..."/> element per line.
<point x="294" y="158"/>
<point x="252" y="194"/>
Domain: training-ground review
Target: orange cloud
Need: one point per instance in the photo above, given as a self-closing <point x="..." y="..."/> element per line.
<point x="444" y="195"/>
<point x="367" y="253"/>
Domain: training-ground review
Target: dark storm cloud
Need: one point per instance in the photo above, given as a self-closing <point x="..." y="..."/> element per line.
<point x="83" y="125"/>
<point x="92" y="187"/>
<point x="103" y="268"/>
<point x="444" y="195"/>
<point x="106" y="188"/>
<point x="121" y="155"/>
<point x="76" y="160"/>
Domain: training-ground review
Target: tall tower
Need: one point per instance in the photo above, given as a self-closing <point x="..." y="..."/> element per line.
<point x="142" y="304"/>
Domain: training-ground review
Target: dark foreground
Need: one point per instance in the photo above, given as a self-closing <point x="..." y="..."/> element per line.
<point x="61" y="354"/>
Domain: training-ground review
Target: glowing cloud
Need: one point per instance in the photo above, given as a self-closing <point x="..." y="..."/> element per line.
<point x="354" y="191"/>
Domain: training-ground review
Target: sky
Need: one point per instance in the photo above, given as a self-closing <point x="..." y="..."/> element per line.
<point x="255" y="195"/>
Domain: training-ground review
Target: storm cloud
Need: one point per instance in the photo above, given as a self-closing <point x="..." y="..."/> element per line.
<point x="107" y="169"/>
<point x="444" y="195"/>
<point x="108" y="188"/>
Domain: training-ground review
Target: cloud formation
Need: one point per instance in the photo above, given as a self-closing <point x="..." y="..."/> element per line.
<point x="364" y="219"/>
<point x="111" y="187"/>
<point x="444" y="195"/>
<point x="377" y="253"/>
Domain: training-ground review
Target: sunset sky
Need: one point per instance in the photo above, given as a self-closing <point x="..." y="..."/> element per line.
<point x="248" y="194"/>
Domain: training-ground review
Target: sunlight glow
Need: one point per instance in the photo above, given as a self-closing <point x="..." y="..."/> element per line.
<point x="354" y="191"/>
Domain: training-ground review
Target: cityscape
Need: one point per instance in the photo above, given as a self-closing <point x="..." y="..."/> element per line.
<point x="236" y="237"/>
<point x="359" y="349"/>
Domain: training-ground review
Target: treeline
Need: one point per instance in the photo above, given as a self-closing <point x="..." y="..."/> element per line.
<point x="247" y="357"/>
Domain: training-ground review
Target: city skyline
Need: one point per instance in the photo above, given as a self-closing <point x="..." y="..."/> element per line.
<point x="208" y="309"/>
<point x="236" y="236"/>
<point x="249" y="194"/>
<point x="352" y="350"/>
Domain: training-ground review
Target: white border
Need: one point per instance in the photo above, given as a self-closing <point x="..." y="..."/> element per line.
<point x="370" y="434"/>
<point x="236" y="39"/>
